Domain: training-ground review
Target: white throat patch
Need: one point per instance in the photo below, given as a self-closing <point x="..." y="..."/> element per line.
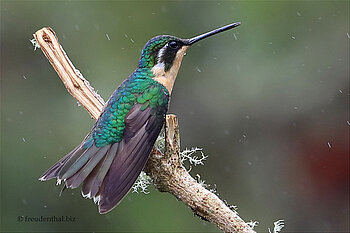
<point x="161" y="52"/>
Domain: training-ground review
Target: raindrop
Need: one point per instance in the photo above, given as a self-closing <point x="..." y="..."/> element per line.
<point x="234" y="35"/>
<point x="341" y="91"/>
<point x="198" y="69"/>
<point x="348" y="35"/>
<point x="329" y="145"/>
<point x="132" y="40"/>
<point x="293" y="37"/>
<point x="23" y="139"/>
<point x="296" y="108"/>
<point x="45" y="206"/>
<point x="24" y="77"/>
<point x="247" y="117"/>
<point x="298" y="13"/>
<point x="108" y="36"/>
<point x="250" y="163"/>
<point x="20" y="113"/>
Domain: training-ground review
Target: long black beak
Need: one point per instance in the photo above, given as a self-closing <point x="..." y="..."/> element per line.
<point x="213" y="32"/>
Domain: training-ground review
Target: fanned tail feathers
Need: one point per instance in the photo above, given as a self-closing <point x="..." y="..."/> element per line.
<point x="107" y="173"/>
<point x="83" y="165"/>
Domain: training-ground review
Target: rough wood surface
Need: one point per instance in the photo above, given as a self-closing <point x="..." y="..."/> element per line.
<point x="71" y="77"/>
<point x="169" y="175"/>
<point x="165" y="168"/>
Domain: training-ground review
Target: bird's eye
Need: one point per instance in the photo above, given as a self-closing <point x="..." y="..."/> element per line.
<point x="173" y="44"/>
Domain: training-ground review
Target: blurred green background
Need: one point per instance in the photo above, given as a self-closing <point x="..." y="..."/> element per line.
<point x="267" y="101"/>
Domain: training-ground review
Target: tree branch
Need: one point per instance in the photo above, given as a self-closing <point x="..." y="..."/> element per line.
<point x="165" y="168"/>
<point x="74" y="81"/>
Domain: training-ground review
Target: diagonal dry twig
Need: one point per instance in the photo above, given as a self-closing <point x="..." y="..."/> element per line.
<point x="165" y="168"/>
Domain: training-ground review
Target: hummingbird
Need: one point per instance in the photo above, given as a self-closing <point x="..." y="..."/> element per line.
<point x="112" y="155"/>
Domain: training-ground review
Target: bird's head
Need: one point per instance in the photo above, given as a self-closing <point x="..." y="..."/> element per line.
<point x="163" y="54"/>
<point x="161" y="51"/>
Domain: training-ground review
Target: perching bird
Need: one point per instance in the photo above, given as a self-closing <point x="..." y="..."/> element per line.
<point x="112" y="155"/>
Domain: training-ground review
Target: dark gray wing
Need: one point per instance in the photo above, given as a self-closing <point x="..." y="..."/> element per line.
<point x="141" y="131"/>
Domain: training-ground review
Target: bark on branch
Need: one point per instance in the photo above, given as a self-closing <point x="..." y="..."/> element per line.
<point x="165" y="168"/>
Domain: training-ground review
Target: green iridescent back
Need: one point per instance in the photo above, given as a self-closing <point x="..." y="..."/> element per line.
<point x="139" y="88"/>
